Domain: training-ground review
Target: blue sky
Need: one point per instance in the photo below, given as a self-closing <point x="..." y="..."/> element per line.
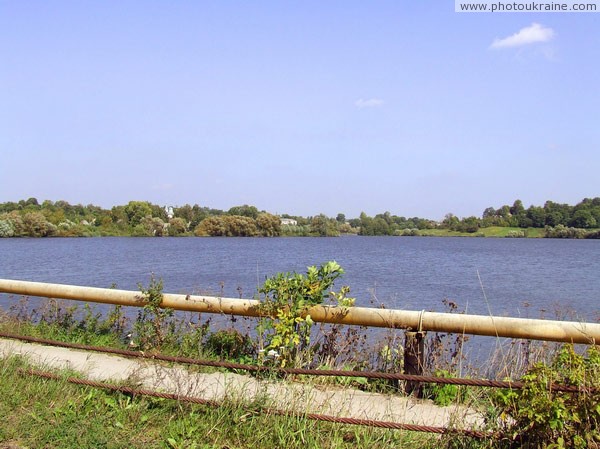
<point x="298" y="107"/>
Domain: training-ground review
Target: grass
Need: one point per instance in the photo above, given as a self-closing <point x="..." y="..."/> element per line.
<point x="41" y="413"/>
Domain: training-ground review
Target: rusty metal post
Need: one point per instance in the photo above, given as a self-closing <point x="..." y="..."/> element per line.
<point x="414" y="360"/>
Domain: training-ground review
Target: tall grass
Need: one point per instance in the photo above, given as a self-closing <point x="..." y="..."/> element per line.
<point x="41" y="413"/>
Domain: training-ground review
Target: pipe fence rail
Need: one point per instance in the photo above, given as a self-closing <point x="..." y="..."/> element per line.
<point x="419" y="321"/>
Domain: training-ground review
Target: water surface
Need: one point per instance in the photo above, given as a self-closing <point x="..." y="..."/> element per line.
<point x="516" y="277"/>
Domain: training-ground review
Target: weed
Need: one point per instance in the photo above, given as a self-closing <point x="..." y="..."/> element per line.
<point x="151" y="327"/>
<point x="443" y="394"/>
<point x="540" y="416"/>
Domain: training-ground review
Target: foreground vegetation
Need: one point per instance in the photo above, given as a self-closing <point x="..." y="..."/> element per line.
<point x="49" y="413"/>
<point x="29" y="218"/>
<point x="52" y="414"/>
<point x="42" y="413"/>
<point x="56" y="414"/>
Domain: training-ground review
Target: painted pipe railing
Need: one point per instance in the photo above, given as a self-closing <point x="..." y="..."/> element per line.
<point x="549" y="330"/>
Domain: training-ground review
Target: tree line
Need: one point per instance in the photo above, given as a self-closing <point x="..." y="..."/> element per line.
<point x="30" y="218"/>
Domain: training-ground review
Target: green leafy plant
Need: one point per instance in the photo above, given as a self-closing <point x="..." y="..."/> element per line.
<point x="540" y="416"/>
<point x="443" y="394"/>
<point x="285" y="331"/>
<point x="149" y="327"/>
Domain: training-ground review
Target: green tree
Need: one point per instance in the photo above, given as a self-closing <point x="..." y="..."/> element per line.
<point x="345" y="228"/>
<point x="184" y="212"/>
<point x="489" y="212"/>
<point x="30" y="204"/>
<point x="211" y="227"/>
<point x="152" y="226"/>
<point x="198" y="214"/>
<point x="558" y="214"/>
<point x="504" y="211"/>
<point x="366" y="225"/>
<point x="287" y="297"/>
<point x="517" y="208"/>
<point x="450" y="221"/>
<point x="583" y="218"/>
<point x="323" y="226"/>
<point x="136" y="211"/>
<point x="244" y="211"/>
<point x="239" y="226"/>
<point x="523" y="221"/>
<point x="16" y="220"/>
<point x="554" y="219"/>
<point x="268" y="225"/>
<point x="380" y="226"/>
<point x="36" y="225"/>
<point x="177" y="226"/>
<point x="469" y="224"/>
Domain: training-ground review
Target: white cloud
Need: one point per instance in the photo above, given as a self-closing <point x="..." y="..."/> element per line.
<point x="370" y="103"/>
<point x="525" y="36"/>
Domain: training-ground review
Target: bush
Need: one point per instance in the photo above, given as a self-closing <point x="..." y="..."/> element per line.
<point x="6" y="228"/>
<point x="562" y="232"/>
<point x="540" y="416"/>
<point x="285" y="329"/>
<point x="410" y="232"/>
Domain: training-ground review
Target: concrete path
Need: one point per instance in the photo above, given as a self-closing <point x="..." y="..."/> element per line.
<point x="303" y="397"/>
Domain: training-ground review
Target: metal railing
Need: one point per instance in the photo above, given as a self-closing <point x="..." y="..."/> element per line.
<point x="417" y="321"/>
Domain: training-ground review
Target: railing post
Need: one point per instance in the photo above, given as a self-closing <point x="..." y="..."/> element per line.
<point x="414" y="360"/>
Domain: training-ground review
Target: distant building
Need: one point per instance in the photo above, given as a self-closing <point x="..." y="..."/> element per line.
<point x="288" y="222"/>
<point x="169" y="212"/>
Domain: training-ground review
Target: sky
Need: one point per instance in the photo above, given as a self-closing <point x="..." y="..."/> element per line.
<point x="298" y="107"/>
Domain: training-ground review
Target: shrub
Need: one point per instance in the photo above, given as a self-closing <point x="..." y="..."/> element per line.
<point x="563" y="232"/>
<point x="540" y="416"/>
<point x="410" y="232"/>
<point x="6" y="228"/>
<point x="285" y="331"/>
